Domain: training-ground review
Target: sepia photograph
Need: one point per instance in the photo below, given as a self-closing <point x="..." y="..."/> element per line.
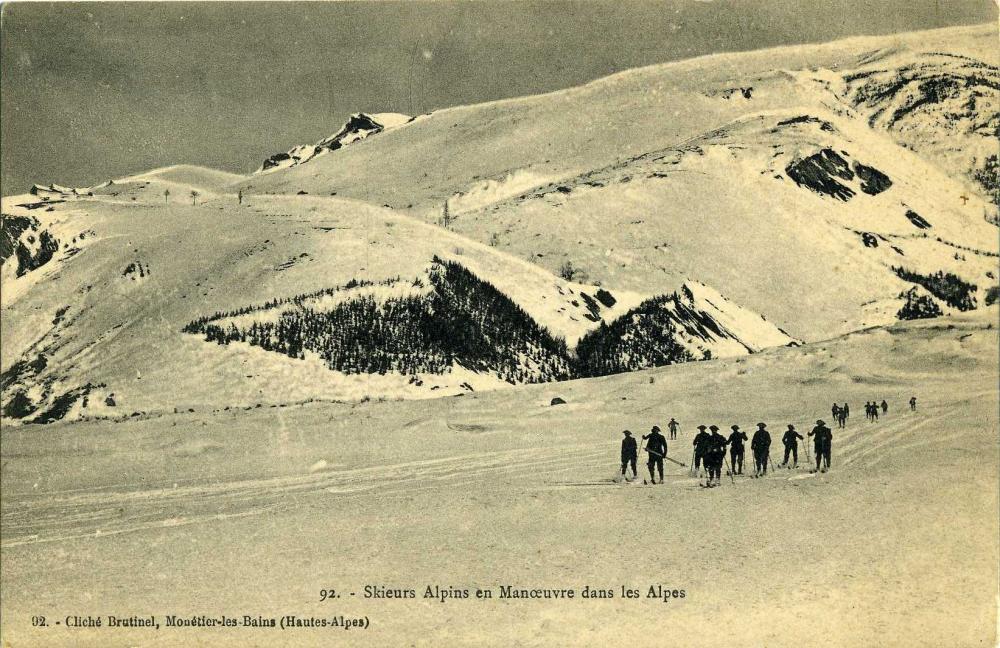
<point x="500" y="323"/>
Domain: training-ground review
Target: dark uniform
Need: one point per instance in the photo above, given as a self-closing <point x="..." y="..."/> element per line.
<point x="656" y="448"/>
<point x="716" y="455"/>
<point x="672" y="426"/>
<point x="630" y="453"/>
<point x="822" y="440"/>
<point x="791" y="441"/>
<point x="701" y="443"/>
<point x="761" y="446"/>
<point x="736" y="440"/>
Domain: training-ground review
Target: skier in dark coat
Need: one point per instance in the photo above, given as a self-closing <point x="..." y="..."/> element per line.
<point x="761" y="446"/>
<point x="656" y="448"/>
<point x="791" y="441"/>
<point x="885" y="407"/>
<point x="672" y="426"/>
<point x="701" y="442"/>
<point x="845" y="411"/>
<point x="736" y="451"/>
<point x="835" y="411"/>
<point x="715" y="456"/>
<point x="630" y="453"/>
<point x="822" y="440"/>
<point x="913" y="403"/>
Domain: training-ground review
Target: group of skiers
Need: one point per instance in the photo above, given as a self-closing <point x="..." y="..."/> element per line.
<point x="872" y="410"/>
<point x="710" y="447"/>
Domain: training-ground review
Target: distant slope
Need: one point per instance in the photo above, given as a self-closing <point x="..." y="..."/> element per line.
<point x="194" y="176"/>
<point x="320" y="299"/>
<point x="572" y="131"/>
<point x="800" y="216"/>
<point x="801" y="182"/>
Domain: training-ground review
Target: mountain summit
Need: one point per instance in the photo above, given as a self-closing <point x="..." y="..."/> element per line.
<point x="358" y="127"/>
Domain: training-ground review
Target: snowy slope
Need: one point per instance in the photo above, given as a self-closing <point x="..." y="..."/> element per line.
<point x="524" y="490"/>
<point x="749" y="209"/>
<point x="571" y="131"/>
<point x="98" y="329"/>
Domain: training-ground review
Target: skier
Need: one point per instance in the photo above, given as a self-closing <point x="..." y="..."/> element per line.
<point x="701" y="443"/>
<point x="761" y="446"/>
<point x="845" y="411"/>
<point x="874" y="412"/>
<point x="656" y="448"/>
<point x="885" y="407"/>
<point x="913" y="403"/>
<point x="835" y="411"/>
<point x="715" y="456"/>
<point x="672" y="426"/>
<point x="791" y="441"/>
<point x="736" y="440"/>
<point x="822" y="440"/>
<point x="629" y="454"/>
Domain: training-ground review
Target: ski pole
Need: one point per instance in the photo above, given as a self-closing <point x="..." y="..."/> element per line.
<point x="658" y="454"/>
<point x="729" y="468"/>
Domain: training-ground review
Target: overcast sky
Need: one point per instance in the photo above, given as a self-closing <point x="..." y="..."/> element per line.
<point x="93" y="91"/>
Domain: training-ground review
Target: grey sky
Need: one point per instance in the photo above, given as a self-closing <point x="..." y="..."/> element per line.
<point x="98" y="90"/>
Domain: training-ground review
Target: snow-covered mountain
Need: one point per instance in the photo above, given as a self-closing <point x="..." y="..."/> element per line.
<point x="653" y="217"/>
<point x="335" y="300"/>
<point x="358" y="127"/>
<point x="815" y="164"/>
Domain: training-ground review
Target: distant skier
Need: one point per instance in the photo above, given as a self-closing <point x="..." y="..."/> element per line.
<point x="845" y="413"/>
<point x="701" y="443"/>
<point x="630" y="454"/>
<point x="736" y="450"/>
<point x="672" y="426"/>
<point x="874" y="412"/>
<point x="715" y="456"/>
<point x="885" y="407"/>
<point x="656" y="448"/>
<point x="791" y="441"/>
<point x="913" y="403"/>
<point x="822" y="442"/>
<point x="761" y="447"/>
<point x="835" y="411"/>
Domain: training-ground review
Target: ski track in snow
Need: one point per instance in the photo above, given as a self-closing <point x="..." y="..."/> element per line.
<point x="51" y="517"/>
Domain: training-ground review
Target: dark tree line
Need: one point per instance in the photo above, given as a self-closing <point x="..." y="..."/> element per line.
<point x="947" y="287"/>
<point x="642" y="338"/>
<point x="199" y="325"/>
<point x="917" y="306"/>
<point x="462" y="320"/>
